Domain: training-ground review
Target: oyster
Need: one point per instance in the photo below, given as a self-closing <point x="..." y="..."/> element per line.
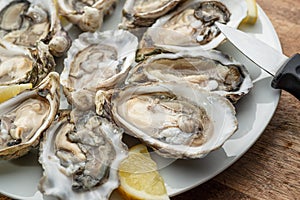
<point x="210" y="70"/>
<point x="141" y="13"/>
<point x="98" y="60"/>
<point x="21" y="65"/>
<point x="25" y="22"/>
<point x="192" y="25"/>
<point x="178" y="120"/>
<point x="81" y="158"/>
<point x="86" y="14"/>
<point x="25" y="117"/>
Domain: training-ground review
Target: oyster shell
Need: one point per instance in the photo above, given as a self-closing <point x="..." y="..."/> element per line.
<point x="210" y="70"/>
<point x="86" y="14"/>
<point x="178" y="120"/>
<point x="25" y="22"/>
<point x="192" y="25"/>
<point x="25" y="117"/>
<point x="21" y="65"/>
<point x="98" y="60"/>
<point x="81" y="158"/>
<point x="140" y="13"/>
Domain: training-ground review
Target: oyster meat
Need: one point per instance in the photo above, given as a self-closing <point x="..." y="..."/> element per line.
<point x="21" y="65"/>
<point x="86" y="14"/>
<point x="176" y="119"/>
<point x="210" y="70"/>
<point x="25" y="22"/>
<point x="141" y="13"/>
<point x="98" y="60"/>
<point x="192" y="25"/>
<point x="80" y="158"/>
<point x="25" y="117"/>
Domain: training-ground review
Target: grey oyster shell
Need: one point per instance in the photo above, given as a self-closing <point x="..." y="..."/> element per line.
<point x="24" y="118"/>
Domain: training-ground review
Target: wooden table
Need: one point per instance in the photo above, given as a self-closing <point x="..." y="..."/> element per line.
<point x="271" y="168"/>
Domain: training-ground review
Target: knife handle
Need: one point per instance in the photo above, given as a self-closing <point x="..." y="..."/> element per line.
<point x="288" y="76"/>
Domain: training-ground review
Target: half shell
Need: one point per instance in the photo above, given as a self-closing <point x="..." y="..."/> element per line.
<point x="192" y="25"/>
<point x="21" y="65"/>
<point x="81" y="158"/>
<point x="98" y="60"/>
<point x="210" y="70"/>
<point x="140" y="13"/>
<point x="177" y="120"/>
<point x="25" y="117"/>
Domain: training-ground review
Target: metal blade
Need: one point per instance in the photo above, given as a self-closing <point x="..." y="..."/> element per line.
<point x="260" y="53"/>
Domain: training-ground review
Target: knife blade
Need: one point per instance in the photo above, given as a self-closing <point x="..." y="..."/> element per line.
<point x="285" y="70"/>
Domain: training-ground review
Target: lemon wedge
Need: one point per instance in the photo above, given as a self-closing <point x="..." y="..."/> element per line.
<point x="7" y="92"/>
<point x="139" y="178"/>
<point x="251" y="13"/>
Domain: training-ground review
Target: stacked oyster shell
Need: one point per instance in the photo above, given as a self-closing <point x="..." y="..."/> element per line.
<point x="167" y="88"/>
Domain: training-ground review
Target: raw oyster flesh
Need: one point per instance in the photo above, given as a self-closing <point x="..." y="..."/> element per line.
<point x="178" y="120"/>
<point x="86" y="14"/>
<point x="21" y="65"/>
<point x="81" y="158"/>
<point x="192" y="25"/>
<point x="141" y="13"/>
<point x="25" y="117"/>
<point x="98" y="60"/>
<point x="25" y="22"/>
<point x="210" y="70"/>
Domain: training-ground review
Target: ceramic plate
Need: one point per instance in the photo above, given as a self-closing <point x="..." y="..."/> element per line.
<point x="19" y="178"/>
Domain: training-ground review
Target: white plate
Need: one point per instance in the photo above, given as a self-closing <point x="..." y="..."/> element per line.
<point x="19" y="178"/>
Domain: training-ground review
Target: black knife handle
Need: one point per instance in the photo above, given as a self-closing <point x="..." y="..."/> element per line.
<point x="288" y="76"/>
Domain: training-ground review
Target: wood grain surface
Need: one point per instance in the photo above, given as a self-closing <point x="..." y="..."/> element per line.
<point x="271" y="168"/>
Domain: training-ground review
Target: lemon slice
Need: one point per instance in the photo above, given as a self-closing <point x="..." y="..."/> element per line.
<point x="7" y="92"/>
<point x="251" y="13"/>
<point x="139" y="178"/>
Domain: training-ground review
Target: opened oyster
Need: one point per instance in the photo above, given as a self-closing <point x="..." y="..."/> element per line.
<point x="21" y="65"/>
<point x="98" y="60"/>
<point x="25" y="117"/>
<point x="192" y="25"/>
<point x="178" y="120"/>
<point x="140" y="13"/>
<point x="81" y="158"/>
<point x="210" y="70"/>
<point x="87" y="15"/>
<point x="26" y="22"/>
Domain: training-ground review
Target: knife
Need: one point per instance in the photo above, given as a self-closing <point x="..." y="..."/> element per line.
<point x="285" y="70"/>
